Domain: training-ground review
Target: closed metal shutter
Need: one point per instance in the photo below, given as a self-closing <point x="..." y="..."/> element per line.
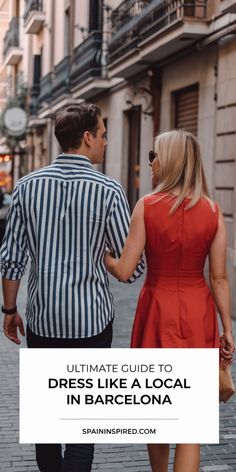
<point x="186" y="108"/>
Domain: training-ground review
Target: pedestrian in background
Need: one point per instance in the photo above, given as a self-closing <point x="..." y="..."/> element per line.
<point x="62" y="217"/>
<point x="179" y="226"/>
<point x="4" y="207"/>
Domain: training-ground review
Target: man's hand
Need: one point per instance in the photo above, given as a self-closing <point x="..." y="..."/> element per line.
<point x="11" y="324"/>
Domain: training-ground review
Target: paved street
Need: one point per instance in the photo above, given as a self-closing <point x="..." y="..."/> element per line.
<point x="112" y="458"/>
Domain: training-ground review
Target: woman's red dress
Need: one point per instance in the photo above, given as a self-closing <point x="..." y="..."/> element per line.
<point x="175" y="307"/>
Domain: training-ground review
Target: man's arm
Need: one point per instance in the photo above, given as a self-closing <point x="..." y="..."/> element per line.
<point x="117" y="230"/>
<point x="11" y="322"/>
<point x="10" y="289"/>
<point x="14" y="257"/>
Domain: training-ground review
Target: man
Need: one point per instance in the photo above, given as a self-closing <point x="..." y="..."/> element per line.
<point x="62" y="217"/>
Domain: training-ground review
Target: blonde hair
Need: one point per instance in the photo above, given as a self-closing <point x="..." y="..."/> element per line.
<point x="180" y="165"/>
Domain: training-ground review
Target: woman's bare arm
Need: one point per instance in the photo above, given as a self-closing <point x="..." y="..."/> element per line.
<point x="124" y="267"/>
<point x="219" y="281"/>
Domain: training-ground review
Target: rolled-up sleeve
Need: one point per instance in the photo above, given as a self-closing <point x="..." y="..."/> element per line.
<point x="13" y="254"/>
<point x="117" y="230"/>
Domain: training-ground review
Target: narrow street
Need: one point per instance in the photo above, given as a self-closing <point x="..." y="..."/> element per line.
<point x="112" y="458"/>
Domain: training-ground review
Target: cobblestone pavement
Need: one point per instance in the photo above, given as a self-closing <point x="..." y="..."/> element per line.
<point x="111" y="458"/>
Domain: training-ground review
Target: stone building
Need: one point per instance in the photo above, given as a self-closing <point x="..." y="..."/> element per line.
<point x="4" y="23"/>
<point x="5" y="163"/>
<point x="151" y="65"/>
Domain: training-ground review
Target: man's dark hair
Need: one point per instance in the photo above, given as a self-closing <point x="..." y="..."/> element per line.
<point x="72" y="122"/>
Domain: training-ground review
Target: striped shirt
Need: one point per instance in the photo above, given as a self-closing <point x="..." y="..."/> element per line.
<point x="62" y="217"/>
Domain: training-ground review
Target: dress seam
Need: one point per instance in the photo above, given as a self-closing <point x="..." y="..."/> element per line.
<point x="179" y="262"/>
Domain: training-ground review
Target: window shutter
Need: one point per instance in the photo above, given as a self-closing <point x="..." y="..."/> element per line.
<point x="186" y="107"/>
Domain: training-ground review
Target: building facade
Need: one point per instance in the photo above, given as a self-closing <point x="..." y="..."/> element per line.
<point x="5" y="163"/>
<point x="151" y="65"/>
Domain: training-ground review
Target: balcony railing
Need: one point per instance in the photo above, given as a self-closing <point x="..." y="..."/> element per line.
<point x="11" y="38"/>
<point x="61" y="81"/>
<point x="46" y="88"/>
<point x="125" y="11"/>
<point x="86" y="59"/>
<point x="156" y="16"/>
<point x="32" y="5"/>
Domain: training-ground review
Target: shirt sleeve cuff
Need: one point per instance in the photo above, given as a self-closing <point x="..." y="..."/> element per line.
<point x="138" y="272"/>
<point x="12" y="271"/>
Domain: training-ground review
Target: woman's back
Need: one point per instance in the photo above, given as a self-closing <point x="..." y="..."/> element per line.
<point x="178" y="243"/>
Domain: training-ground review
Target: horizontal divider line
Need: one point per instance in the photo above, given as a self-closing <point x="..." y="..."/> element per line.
<point x="123" y="419"/>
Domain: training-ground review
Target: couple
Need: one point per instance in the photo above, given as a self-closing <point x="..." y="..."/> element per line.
<point x="64" y="217"/>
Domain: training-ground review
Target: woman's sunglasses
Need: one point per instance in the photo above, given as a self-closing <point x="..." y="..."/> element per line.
<point x="151" y="156"/>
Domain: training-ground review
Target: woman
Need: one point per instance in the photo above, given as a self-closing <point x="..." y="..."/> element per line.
<point x="178" y="226"/>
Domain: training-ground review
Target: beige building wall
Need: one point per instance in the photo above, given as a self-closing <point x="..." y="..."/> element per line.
<point x="113" y="3"/>
<point x="214" y="8"/>
<point x="81" y="20"/>
<point x="4" y="23"/>
<point x="21" y="20"/>
<point x="25" y="65"/>
<point x="196" y="68"/>
<point x="225" y="156"/>
<point x="45" y="37"/>
<point x="59" y="32"/>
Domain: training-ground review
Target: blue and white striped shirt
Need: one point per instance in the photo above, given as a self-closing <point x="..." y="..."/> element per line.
<point x="62" y="217"/>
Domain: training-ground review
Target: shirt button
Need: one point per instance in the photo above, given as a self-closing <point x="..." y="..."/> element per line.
<point x="64" y="184"/>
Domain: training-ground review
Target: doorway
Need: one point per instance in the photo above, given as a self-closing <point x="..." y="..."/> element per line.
<point x="134" y="121"/>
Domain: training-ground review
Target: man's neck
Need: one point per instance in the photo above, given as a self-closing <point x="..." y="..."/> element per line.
<point x="79" y="152"/>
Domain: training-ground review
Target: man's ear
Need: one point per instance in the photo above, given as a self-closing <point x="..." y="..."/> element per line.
<point x="87" y="138"/>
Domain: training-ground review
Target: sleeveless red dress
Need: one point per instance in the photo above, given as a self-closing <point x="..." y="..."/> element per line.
<point x="175" y="307"/>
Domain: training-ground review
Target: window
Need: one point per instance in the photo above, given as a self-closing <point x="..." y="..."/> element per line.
<point x="102" y="167"/>
<point x="68" y="29"/>
<point x="37" y="69"/>
<point x="185" y="109"/>
<point x="95" y="15"/>
<point x="134" y="122"/>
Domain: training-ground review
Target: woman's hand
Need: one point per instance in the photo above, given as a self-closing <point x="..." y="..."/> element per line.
<point x="109" y="260"/>
<point x="227" y="347"/>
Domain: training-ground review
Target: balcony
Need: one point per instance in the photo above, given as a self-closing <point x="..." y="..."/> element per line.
<point x="228" y="6"/>
<point x="12" y="53"/>
<point x="34" y="16"/>
<point x="86" y="61"/>
<point x="61" y="81"/>
<point x="144" y="32"/>
<point x="126" y="11"/>
<point x="45" y="94"/>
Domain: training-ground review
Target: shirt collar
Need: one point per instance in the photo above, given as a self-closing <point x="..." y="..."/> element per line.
<point x="75" y="159"/>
